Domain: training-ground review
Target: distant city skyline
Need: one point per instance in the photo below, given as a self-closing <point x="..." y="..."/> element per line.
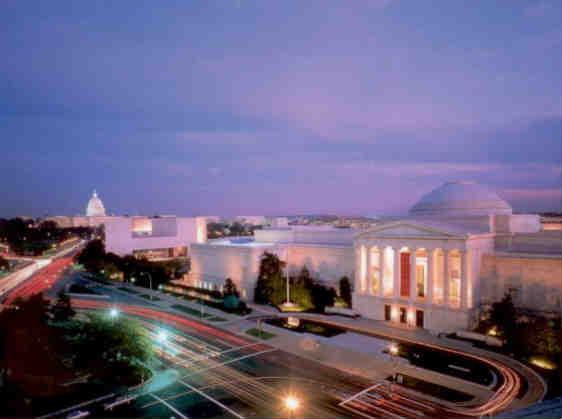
<point x="227" y="108"/>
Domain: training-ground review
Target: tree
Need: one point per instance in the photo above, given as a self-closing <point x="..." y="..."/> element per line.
<point x="48" y="225"/>
<point x="4" y="264"/>
<point x="345" y="290"/>
<point x="322" y="297"/>
<point x="304" y="278"/>
<point x="504" y="316"/>
<point x="229" y="288"/>
<point x="231" y="298"/>
<point x="62" y="309"/>
<point x="270" y="284"/>
<point x="92" y="256"/>
<point x="109" y="347"/>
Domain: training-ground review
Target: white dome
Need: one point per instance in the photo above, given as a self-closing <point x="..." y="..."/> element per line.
<point x="460" y="199"/>
<point x="95" y="207"/>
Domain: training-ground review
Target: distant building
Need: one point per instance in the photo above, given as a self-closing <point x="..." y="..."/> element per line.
<point x="255" y="220"/>
<point x="95" y="206"/>
<point x="551" y="222"/>
<point x="460" y="249"/>
<point x="154" y="237"/>
<point x="95" y="215"/>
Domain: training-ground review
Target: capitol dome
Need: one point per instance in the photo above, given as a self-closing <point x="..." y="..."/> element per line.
<point x="95" y="207"/>
<point x="460" y="199"/>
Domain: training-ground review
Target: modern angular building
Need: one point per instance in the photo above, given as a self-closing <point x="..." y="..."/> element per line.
<point x="459" y="249"/>
<point x="160" y="237"/>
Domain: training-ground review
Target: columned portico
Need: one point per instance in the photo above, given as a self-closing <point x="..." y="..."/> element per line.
<point x="381" y="272"/>
<point x="430" y="261"/>
<point x="464" y="281"/>
<point x="369" y="272"/>
<point x="428" y="277"/>
<point x="396" y="273"/>
<point x="413" y="293"/>
<point x="445" y="277"/>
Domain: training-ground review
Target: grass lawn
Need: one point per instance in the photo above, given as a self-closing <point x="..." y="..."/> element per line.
<point x="291" y="309"/>
<point x="260" y="335"/>
<point x="191" y="311"/>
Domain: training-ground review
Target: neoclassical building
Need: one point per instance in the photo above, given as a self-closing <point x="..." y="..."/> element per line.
<point x="458" y="250"/>
<point x="426" y="270"/>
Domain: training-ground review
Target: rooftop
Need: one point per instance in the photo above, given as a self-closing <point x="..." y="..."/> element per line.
<point x="462" y="198"/>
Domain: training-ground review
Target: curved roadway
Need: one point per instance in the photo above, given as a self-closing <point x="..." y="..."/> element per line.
<point x="506" y="393"/>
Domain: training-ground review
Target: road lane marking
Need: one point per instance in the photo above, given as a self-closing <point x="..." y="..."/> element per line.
<point x="201" y="357"/>
<point x="374" y="386"/>
<point x="169" y="406"/>
<point x="230" y="361"/>
<point x="228" y="409"/>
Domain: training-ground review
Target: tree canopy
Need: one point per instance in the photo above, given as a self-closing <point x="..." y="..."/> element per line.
<point x="345" y="290"/>
<point x="305" y="291"/>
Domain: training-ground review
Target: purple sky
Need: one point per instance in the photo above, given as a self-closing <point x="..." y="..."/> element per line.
<point x="276" y="107"/>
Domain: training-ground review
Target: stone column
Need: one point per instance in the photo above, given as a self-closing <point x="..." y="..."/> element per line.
<point x="446" y="277"/>
<point x="357" y="268"/>
<point x="429" y="295"/>
<point x="381" y="271"/>
<point x="396" y="274"/>
<point x="413" y="290"/>
<point x="368" y="271"/>
<point x="464" y="280"/>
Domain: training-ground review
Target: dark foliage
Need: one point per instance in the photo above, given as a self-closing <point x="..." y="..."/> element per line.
<point x="345" y="290"/>
<point x="62" y="309"/>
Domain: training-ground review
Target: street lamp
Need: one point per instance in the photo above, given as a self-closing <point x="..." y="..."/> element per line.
<point x="291" y="404"/>
<point x="393" y="351"/>
<point x="162" y="336"/>
<point x="287" y="303"/>
<point x="113" y="313"/>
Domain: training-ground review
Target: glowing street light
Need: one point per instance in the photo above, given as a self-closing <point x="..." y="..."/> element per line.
<point x="113" y="313"/>
<point x="291" y="404"/>
<point x="162" y="336"/>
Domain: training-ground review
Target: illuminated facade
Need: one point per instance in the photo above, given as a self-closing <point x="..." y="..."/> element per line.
<point x="154" y="237"/>
<point x="459" y="249"/>
<point x="95" y="206"/>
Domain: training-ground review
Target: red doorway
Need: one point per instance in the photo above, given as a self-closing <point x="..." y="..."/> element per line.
<point x="405" y="274"/>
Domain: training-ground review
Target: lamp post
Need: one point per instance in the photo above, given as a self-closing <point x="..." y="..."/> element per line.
<point x="393" y="351"/>
<point x="287" y="302"/>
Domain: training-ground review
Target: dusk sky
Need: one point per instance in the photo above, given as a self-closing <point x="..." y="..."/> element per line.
<point x="276" y="107"/>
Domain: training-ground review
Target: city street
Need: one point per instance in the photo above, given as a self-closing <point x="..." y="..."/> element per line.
<point x="209" y="372"/>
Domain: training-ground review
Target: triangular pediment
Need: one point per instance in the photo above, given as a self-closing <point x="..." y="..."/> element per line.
<point x="406" y="229"/>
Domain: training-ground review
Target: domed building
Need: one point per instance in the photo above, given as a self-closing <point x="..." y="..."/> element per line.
<point x="95" y="206"/>
<point x="460" y="249"/>
<point x="460" y="199"/>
